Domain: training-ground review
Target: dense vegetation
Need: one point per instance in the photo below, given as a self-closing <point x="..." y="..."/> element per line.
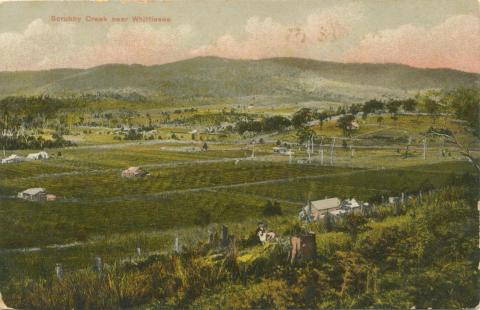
<point x="422" y="253"/>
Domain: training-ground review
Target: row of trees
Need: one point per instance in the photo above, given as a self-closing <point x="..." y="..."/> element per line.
<point x="267" y="124"/>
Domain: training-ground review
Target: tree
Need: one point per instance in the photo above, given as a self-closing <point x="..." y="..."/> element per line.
<point x="432" y="108"/>
<point x="304" y="134"/>
<point x="345" y="123"/>
<point x="465" y="105"/>
<point x="321" y="117"/>
<point x="393" y="106"/>
<point x="276" y="122"/>
<point x="372" y="106"/>
<point x="409" y="105"/>
<point x="272" y="209"/>
<point x="302" y="117"/>
<point x="202" y="217"/>
<point x="430" y="101"/>
<point x="354" y="109"/>
<point x="379" y="121"/>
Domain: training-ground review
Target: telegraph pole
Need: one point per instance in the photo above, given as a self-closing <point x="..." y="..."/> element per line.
<point x="309" y="150"/>
<point x="331" y="151"/>
<point x="321" y="151"/>
<point x="311" y="138"/>
<point x="424" y="148"/>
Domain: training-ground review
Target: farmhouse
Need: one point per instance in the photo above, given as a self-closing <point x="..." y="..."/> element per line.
<point x="37" y="156"/>
<point x="13" y="159"/>
<point x="33" y="194"/>
<point x="315" y="210"/>
<point x="134" y="172"/>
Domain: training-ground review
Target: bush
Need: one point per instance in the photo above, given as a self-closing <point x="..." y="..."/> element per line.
<point x="272" y="209"/>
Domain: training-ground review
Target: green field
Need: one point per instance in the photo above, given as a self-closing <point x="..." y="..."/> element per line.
<point x="98" y="213"/>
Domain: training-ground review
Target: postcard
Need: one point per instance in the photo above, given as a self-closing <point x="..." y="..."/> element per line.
<point x="227" y="154"/>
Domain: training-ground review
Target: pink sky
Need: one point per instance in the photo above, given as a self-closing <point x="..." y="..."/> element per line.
<point x="329" y="34"/>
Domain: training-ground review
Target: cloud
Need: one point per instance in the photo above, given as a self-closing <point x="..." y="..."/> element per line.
<point x="328" y="34"/>
<point x="39" y="46"/>
<point x="268" y="38"/>
<point x="455" y="43"/>
<point x="44" y="46"/>
<point x="139" y="43"/>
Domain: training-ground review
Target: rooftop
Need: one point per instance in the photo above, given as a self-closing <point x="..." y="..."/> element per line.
<point x="33" y="191"/>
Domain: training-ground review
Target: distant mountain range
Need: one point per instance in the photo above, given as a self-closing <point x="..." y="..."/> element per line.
<point x="219" y="77"/>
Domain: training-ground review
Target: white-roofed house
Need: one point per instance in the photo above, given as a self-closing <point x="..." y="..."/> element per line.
<point x="13" y="159"/>
<point x="134" y="172"/>
<point x="315" y="210"/>
<point x="37" y="156"/>
<point x="33" y="194"/>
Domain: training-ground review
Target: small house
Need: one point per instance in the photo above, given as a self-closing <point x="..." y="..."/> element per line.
<point x="37" y="156"/>
<point x="13" y="159"/>
<point x="134" y="172"/>
<point x="33" y="194"/>
<point x="315" y="210"/>
<point x="280" y="150"/>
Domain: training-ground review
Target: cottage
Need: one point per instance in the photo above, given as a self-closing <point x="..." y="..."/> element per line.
<point x="280" y="150"/>
<point x="134" y="172"/>
<point x="315" y="210"/>
<point x="13" y="159"/>
<point x="33" y="194"/>
<point x="37" y="156"/>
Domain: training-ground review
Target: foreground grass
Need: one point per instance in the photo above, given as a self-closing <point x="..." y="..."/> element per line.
<point x="388" y="257"/>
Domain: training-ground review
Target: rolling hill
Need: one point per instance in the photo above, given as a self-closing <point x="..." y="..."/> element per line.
<point x="218" y="77"/>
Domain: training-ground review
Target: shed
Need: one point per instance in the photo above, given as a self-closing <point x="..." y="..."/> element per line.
<point x="350" y="204"/>
<point x="134" y="172"/>
<point x="33" y="194"/>
<point x="280" y="150"/>
<point x="37" y="156"/>
<point x="13" y="159"/>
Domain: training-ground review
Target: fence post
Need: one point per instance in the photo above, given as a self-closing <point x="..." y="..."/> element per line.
<point x="98" y="264"/>
<point x="224" y="236"/>
<point x="58" y="271"/>
<point x="176" y="246"/>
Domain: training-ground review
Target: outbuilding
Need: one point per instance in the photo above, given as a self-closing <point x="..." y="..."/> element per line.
<point x="33" y="194"/>
<point x="37" y="156"/>
<point x="13" y="159"/>
<point x="134" y="172"/>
